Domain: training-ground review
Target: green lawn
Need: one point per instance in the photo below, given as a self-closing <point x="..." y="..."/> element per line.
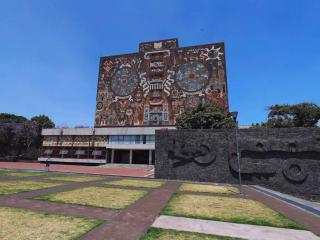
<point x="9" y="187"/>
<point x="75" y="178"/>
<point x="137" y="183"/>
<point x="166" y="234"/>
<point x="17" y="173"/>
<point x="30" y="225"/>
<point x="96" y="197"/>
<point x="209" y="188"/>
<point x="226" y="209"/>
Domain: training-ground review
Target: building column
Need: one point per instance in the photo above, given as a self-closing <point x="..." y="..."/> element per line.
<point x="130" y="156"/>
<point x="112" y="155"/>
<point x="150" y="157"/>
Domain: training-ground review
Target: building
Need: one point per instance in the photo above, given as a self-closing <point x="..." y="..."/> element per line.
<point x="137" y="94"/>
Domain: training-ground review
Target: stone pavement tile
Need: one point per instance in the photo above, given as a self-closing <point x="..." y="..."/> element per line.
<point x="246" y="231"/>
<point x="308" y="220"/>
<point x="60" y="208"/>
<point x="132" y="222"/>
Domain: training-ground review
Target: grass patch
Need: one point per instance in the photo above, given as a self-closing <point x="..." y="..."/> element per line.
<point x="168" y="234"/>
<point x="9" y="187"/>
<point x="96" y="197"/>
<point x="30" y="225"/>
<point x="13" y="173"/>
<point x="237" y="210"/>
<point x="191" y="187"/>
<point x="136" y="183"/>
<point x="75" y="178"/>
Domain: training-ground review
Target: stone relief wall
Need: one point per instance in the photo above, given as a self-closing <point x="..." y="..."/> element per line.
<point x="287" y="160"/>
<point x="154" y="85"/>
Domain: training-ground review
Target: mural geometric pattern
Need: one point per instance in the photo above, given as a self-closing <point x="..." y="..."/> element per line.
<point x="153" y="86"/>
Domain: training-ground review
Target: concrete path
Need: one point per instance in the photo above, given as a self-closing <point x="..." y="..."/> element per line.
<point x="134" y="221"/>
<point x="144" y="172"/>
<point x="250" y="232"/>
<point x="312" y="207"/>
<point x="308" y="220"/>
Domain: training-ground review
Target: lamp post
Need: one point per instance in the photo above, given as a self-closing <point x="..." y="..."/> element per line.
<point x="234" y="116"/>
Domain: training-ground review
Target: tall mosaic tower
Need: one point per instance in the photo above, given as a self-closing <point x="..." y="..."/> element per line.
<point x="151" y="87"/>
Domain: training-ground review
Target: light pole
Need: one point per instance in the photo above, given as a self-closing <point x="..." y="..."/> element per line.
<point x="234" y="116"/>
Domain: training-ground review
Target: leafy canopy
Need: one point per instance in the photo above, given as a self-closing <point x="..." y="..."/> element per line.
<point x="205" y="117"/>
<point x="297" y="115"/>
<point x="43" y="121"/>
<point x="8" y="117"/>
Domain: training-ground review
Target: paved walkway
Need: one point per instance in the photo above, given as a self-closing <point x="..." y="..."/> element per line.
<point x="128" y="172"/>
<point x="137" y="218"/>
<point x="23" y="200"/>
<point x="312" y="207"/>
<point x="310" y="221"/>
<point x="246" y="231"/>
<point x="131" y="223"/>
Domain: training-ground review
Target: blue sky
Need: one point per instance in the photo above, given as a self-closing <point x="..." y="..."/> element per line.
<point x="50" y="50"/>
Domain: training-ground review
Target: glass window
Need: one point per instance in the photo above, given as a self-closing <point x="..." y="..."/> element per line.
<point x="126" y="139"/>
<point x="137" y="139"/>
<point x="146" y="113"/>
<point x="114" y="139"/>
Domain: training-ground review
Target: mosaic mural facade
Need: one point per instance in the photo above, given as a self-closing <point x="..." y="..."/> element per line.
<point x="153" y="86"/>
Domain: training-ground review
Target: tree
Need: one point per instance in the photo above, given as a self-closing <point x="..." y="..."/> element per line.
<point x="43" y="121"/>
<point x="8" y="117"/>
<point x="297" y="115"/>
<point x="20" y="137"/>
<point x="205" y="117"/>
<point x="306" y="114"/>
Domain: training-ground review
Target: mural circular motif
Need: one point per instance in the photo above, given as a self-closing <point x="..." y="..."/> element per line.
<point x="124" y="81"/>
<point x="99" y="105"/>
<point x="192" y="76"/>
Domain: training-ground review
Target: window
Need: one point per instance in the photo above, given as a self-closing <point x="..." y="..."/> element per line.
<point x="126" y="139"/>
<point x="114" y="139"/>
<point x="165" y="112"/>
<point x="137" y="139"/>
<point x="146" y="113"/>
<point x="150" y="139"/>
<point x="131" y="139"/>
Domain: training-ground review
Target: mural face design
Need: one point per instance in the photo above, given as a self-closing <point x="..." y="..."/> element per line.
<point x="124" y="81"/>
<point x="192" y="76"/>
<point x="152" y="87"/>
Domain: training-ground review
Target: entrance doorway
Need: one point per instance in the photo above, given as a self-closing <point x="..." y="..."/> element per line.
<point x="140" y="157"/>
<point x="122" y="156"/>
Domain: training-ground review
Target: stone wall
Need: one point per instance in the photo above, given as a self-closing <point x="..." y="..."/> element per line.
<point x="287" y="160"/>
